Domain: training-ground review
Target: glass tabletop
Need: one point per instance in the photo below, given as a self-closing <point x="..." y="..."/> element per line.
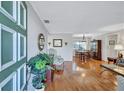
<point x="115" y="68"/>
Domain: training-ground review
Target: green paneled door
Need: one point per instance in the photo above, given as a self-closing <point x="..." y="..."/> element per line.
<point x="21" y="77"/>
<point x="13" y="35"/>
<point x="22" y="15"/>
<point x="8" y="6"/>
<point x="8" y="86"/>
<point x="7" y="47"/>
<point x="21" y="46"/>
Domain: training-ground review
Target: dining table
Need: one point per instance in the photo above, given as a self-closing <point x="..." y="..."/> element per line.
<point x="84" y="55"/>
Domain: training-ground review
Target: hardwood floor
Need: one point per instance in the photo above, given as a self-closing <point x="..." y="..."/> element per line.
<point x="80" y="76"/>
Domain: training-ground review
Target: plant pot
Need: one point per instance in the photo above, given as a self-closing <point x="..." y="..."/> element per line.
<point x="42" y="89"/>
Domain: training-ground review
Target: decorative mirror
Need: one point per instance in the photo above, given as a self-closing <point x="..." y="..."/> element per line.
<point x="41" y="41"/>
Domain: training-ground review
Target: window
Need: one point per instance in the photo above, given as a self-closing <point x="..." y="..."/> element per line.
<point x="7" y="47"/>
<point x="21" y="46"/>
<point x="94" y="46"/>
<point x="8" y="8"/>
<point x="21" y="15"/>
<point x="9" y="84"/>
<point x="80" y="45"/>
<point x="21" y="77"/>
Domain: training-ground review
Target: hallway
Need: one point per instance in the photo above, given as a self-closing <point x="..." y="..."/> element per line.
<point x="38" y="38"/>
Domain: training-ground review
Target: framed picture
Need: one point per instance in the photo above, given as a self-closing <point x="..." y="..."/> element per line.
<point x="111" y="42"/>
<point x="57" y="42"/>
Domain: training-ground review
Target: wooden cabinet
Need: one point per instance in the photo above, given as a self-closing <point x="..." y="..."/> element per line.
<point x="96" y="49"/>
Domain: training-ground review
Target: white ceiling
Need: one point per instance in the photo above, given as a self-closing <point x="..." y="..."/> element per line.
<point x="75" y="17"/>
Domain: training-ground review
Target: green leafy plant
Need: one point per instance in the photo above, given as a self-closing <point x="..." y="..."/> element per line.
<point x="38" y="66"/>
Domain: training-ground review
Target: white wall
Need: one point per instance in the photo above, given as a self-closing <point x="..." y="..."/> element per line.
<point x="111" y="51"/>
<point x="107" y="50"/>
<point x="121" y="40"/>
<point x="35" y="26"/>
<point x="103" y="38"/>
<point x="66" y="51"/>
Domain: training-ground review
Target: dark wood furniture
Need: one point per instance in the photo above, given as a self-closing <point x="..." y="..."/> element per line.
<point x="96" y="46"/>
<point x="77" y="54"/>
<point x="83" y="55"/>
<point x="110" y="59"/>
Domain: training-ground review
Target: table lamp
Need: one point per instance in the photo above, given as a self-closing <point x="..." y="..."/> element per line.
<point x="119" y="47"/>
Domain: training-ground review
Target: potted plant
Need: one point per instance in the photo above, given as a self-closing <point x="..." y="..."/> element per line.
<point x="39" y="64"/>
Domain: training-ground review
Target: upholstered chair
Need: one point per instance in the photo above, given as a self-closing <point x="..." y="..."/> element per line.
<point x="58" y="60"/>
